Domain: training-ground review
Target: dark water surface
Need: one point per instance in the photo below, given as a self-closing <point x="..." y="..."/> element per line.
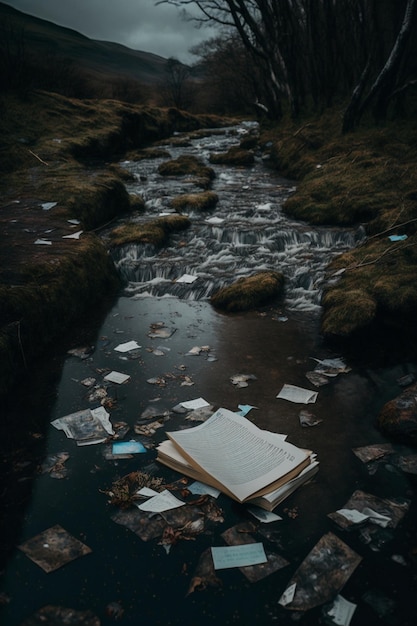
<point x="275" y="346"/>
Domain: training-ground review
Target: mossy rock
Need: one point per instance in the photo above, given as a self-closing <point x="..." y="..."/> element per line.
<point x="347" y="311"/>
<point x="137" y="203"/>
<point x="398" y="417"/>
<point x="186" y="165"/>
<point x="249" y="293"/>
<point x="155" y="233"/>
<point x="195" y="201"/>
<point x="234" y="156"/>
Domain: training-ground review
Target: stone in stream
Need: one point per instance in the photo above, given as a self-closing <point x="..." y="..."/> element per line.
<point x="398" y="417"/>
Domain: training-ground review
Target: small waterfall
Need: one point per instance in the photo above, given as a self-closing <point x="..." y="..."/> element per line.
<point x="247" y="232"/>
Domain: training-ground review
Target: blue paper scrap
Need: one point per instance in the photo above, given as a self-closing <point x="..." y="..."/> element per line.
<point x="238" y="556"/>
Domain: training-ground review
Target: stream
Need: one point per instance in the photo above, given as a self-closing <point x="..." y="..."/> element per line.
<point x="188" y="350"/>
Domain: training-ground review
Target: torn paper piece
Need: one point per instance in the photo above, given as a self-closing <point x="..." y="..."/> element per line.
<point x="241" y="380"/>
<point x="126" y="347"/>
<point x="323" y="573"/>
<point x="47" y="206"/>
<point x="263" y="516"/>
<point x="331" y="367"/>
<point x="397" y="237"/>
<point x="353" y="516"/>
<point x="117" y="377"/>
<point x="245" y="408"/>
<point x="186" y="278"/>
<point x="76" y="235"/>
<point x="238" y="556"/>
<point x="362" y="502"/>
<point x="53" y="548"/>
<point x="74" y="222"/>
<point x="288" y="595"/>
<point x="297" y="394"/>
<point x="164" y="501"/>
<point x="128" y="447"/>
<point x="214" y="220"/>
<point x="146" y="492"/>
<point x="201" y="488"/>
<point x="87" y="427"/>
<point x="198" y="403"/>
<point x="43" y="242"/>
<point x="341" y="611"/>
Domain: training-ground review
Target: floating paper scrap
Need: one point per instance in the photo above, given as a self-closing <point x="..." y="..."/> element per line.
<point x="76" y="235"/>
<point x="186" y="278"/>
<point x="214" y="220"/>
<point x="225" y="557"/>
<point x="331" y="367"/>
<point x="238" y="537"/>
<point x="54" y="465"/>
<point x="322" y="574"/>
<point x="201" y="488"/>
<point x="126" y="347"/>
<point x="382" y="510"/>
<point x="245" y="408"/>
<point x="128" y="447"/>
<point x="164" y="501"/>
<point x="46" y="206"/>
<point x="117" y="377"/>
<point x="43" y="242"/>
<point x="297" y="394"/>
<point x="241" y="380"/>
<point x="74" y="222"/>
<point x="308" y="419"/>
<point x="53" y="548"/>
<point x="263" y="516"/>
<point x="341" y="611"/>
<point x="397" y="237"/>
<point x="87" y="427"/>
<point x="198" y="403"/>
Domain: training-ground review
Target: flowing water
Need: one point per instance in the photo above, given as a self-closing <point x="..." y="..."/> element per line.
<point x="273" y="346"/>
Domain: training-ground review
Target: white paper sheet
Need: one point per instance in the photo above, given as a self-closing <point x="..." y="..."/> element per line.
<point x="164" y="501"/>
<point x="117" y="377"/>
<point x="297" y="394"/>
<point x="126" y="347"/>
<point x="186" y="278"/>
<point x="198" y="403"/>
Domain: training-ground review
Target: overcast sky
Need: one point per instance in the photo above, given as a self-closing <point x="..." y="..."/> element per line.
<point x="138" y="24"/>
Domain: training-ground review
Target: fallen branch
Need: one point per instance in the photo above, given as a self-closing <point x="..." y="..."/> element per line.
<point x="38" y="157"/>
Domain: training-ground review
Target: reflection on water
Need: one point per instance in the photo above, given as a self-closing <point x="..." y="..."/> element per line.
<point x="150" y="584"/>
<point x="271" y="348"/>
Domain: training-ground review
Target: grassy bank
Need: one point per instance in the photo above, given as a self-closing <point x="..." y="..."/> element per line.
<point x="60" y="176"/>
<point x="367" y="177"/>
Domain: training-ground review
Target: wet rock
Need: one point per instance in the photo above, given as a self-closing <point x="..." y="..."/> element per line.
<point x="398" y="417"/>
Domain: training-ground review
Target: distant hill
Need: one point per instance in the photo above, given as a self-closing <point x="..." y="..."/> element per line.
<point x="100" y="58"/>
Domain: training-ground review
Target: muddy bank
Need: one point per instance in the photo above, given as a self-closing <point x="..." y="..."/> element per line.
<point x="60" y="185"/>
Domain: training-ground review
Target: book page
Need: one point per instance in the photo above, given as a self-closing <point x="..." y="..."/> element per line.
<point x="238" y="454"/>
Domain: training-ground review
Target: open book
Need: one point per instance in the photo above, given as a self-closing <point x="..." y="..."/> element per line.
<point x="230" y="453"/>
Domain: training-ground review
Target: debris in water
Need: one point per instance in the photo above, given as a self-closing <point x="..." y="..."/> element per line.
<point x="53" y="548"/>
<point x="297" y="394"/>
<point x="204" y="574"/>
<point x="321" y="575"/>
<point x="89" y="426"/>
<point x="308" y="419"/>
<point x="241" y="380"/>
<point x="127" y="346"/>
<point x="373" y="452"/>
<point x="54" y="465"/>
<point x="52" y="615"/>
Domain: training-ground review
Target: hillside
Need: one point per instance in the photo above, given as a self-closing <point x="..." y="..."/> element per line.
<point x="105" y="59"/>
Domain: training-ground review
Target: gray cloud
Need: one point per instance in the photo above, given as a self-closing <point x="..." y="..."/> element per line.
<point x="138" y="24"/>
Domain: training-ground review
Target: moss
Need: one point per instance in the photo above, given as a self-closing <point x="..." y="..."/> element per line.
<point x="249" y="293"/>
<point x="155" y="232"/>
<point x="137" y="203"/>
<point x="346" y="312"/>
<point x="234" y="156"/>
<point x="53" y="296"/>
<point x="195" y="201"/>
<point x="188" y="165"/>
